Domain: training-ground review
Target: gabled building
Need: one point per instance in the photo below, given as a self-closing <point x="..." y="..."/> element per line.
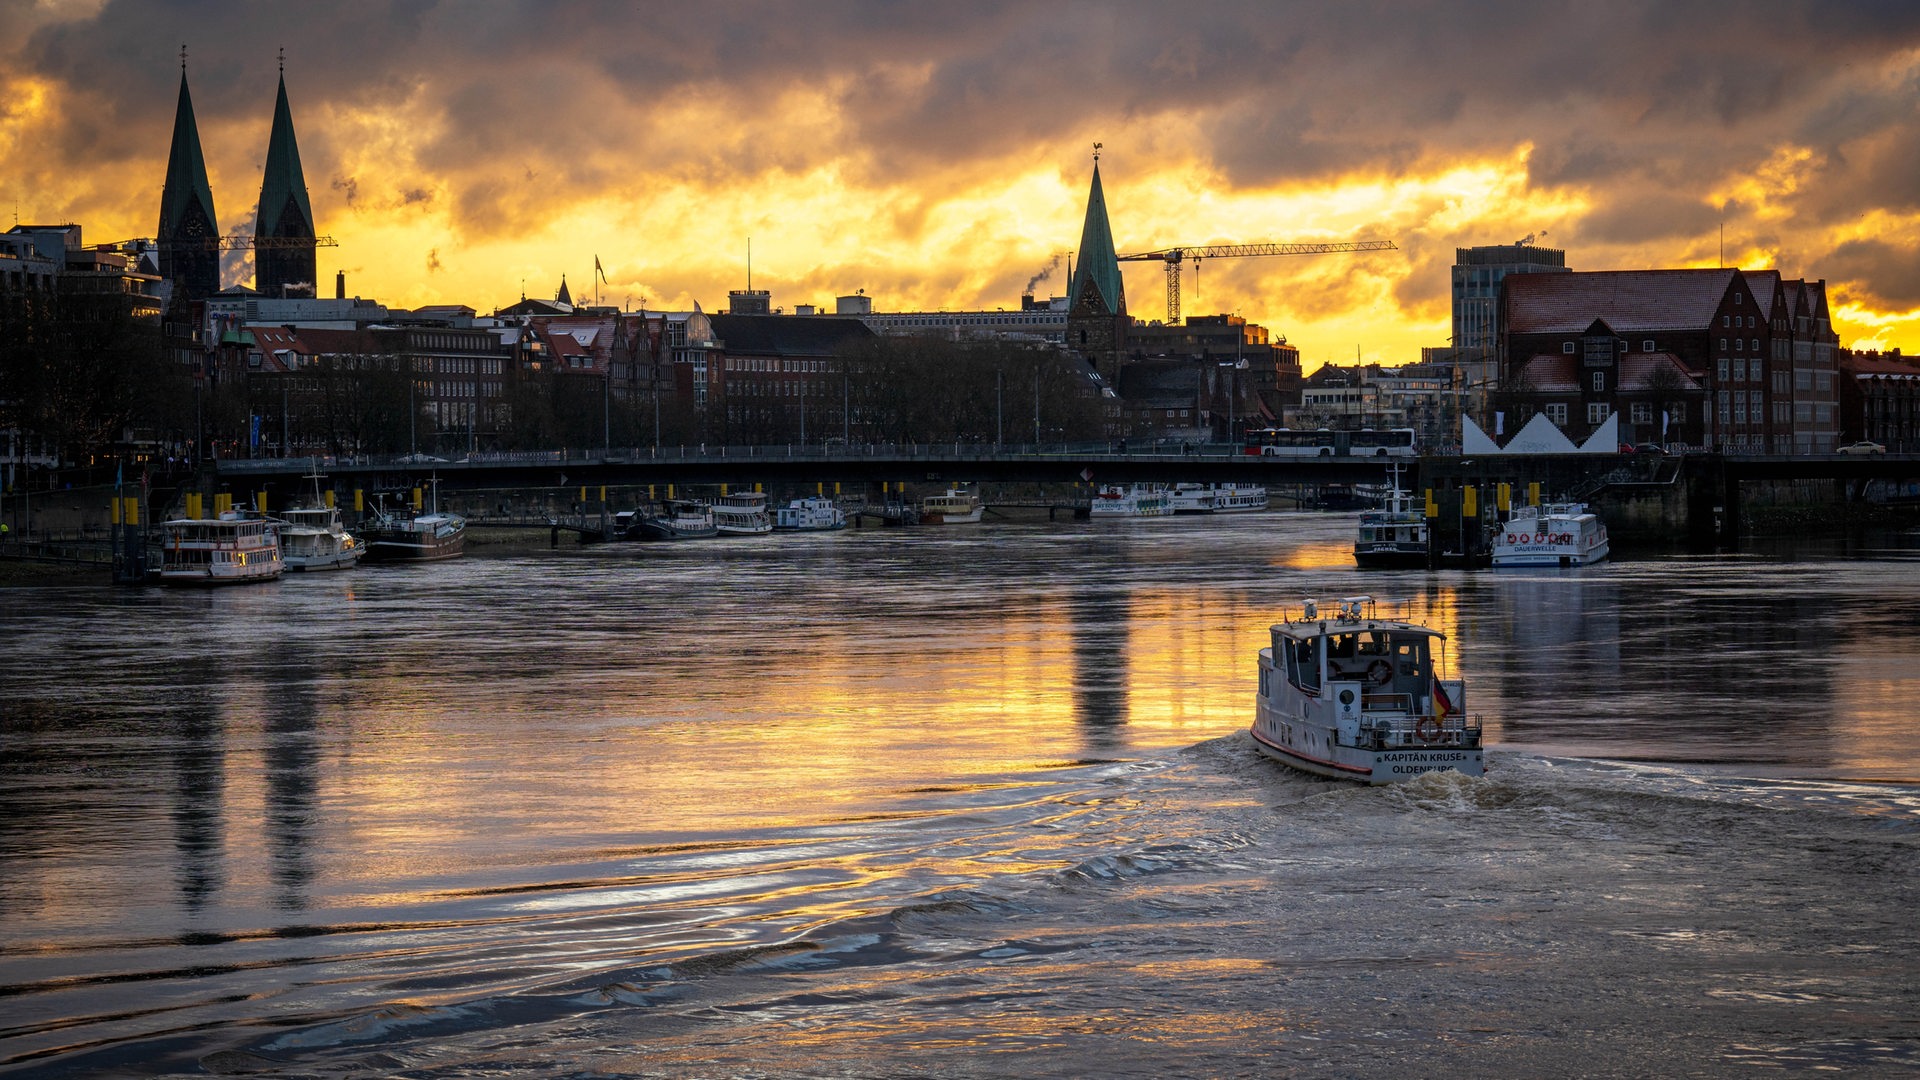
<point x="1880" y="399"/>
<point x="777" y="378"/>
<point x="189" y="233"/>
<point x="1741" y="361"/>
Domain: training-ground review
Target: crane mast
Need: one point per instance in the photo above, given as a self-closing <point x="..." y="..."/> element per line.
<point x="1174" y="256"/>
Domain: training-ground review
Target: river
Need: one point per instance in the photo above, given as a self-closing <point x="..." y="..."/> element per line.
<point x="963" y="801"/>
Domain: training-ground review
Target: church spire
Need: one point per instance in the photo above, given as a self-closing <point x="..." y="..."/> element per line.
<point x="563" y="296"/>
<point x="1097" y="287"/>
<point x="189" y="234"/>
<point x="283" y="231"/>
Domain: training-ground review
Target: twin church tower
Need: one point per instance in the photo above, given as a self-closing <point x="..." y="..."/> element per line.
<point x="189" y="233"/>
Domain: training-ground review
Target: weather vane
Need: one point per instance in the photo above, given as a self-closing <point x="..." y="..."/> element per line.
<point x="283" y="59"/>
<point x="1096" y="151"/>
<point x="183" y="58"/>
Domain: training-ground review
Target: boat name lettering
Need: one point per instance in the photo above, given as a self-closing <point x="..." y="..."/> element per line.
<point x="1443" y="757"/>
<point x="1539" y="538"/>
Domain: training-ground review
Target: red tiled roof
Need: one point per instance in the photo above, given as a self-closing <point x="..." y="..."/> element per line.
<point x="1631" y="301"/>
<point x="1551" y="373"/>
<point x="1637" y="369"/>
<point x="1870" y="365"/>
<point x="1558" y="373"/>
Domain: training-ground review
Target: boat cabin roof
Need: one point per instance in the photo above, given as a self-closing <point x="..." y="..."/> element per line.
<point x="1349" y="614"/>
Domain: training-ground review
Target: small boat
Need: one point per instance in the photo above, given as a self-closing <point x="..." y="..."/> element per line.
<point x="1192" y="498"/>
<point x="1348" y="695"/>
<point x="401" y="537"/>
<point x="1234" y="498"/>
<point x="743" y="513"/>
<point x="959" y="506"/>
<point x="678" y="519"/>
<point x="1131" y="501"/>
<point x="1395" y="535"/>
<point x="815" y="513"/>
<point x="1557" y="534"/>
<point x="231" y="549"/>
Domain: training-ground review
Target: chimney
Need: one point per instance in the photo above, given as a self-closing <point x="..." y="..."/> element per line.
<point x="340" y="285"/>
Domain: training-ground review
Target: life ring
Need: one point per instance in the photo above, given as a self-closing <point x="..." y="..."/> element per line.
<point x="1379" y="673"/>
<point x="1427" y="729"/>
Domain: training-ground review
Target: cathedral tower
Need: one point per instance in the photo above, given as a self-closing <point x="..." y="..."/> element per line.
<point x="189" y="234"/>
<point x="1097" y="318"/>
<point x="283" y="233"/>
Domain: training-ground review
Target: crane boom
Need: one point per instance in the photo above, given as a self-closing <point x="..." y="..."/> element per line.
<point x="1174" y="256"/>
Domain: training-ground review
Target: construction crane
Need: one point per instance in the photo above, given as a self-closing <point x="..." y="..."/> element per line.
<point x="1174" y="256"/>
<point x="220" y="243"/>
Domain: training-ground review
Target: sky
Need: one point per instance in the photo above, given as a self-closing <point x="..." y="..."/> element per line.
<point x="938" y="155"/>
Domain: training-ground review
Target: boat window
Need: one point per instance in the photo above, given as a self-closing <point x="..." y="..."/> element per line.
<point x="1410" y="656"/>
<point x="1303" y="666"/>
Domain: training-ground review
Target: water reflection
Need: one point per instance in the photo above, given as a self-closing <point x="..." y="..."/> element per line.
<point x="198" y="803"/>
<point x="292" y="780"/>
<point x="1097" y="625"/>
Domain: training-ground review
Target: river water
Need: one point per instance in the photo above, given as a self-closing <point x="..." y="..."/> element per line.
<point x="969" y="801"/>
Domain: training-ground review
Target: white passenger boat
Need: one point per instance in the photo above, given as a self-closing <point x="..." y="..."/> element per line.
<point x="959" y="506"/>
<point x="1131" y="501"/>
<point x="1557" y="534"/>
<point x="1234" y="498"/>
<point x="1192" y="498"/>
<point x="1393" y="536"/>
<point x="1346" y="694"/>
<point x="313" y="538"/>
<point x="815" y="513"/>
<point x="679" y="519"/>
<point x="231" y="549"/>
<point x="743" y="513"/>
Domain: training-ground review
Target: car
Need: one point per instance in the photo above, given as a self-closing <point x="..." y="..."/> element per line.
<point x="420" y="459"/>
<point x="1864" y="446"/>
<point x="1650" y="448"/>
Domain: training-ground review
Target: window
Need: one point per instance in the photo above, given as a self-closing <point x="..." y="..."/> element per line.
<point x="1599" y="382"/>
<point x="1750" y="322"/>
<point x="1723" y="344"/>
<point x="1647" y="345"/>
<point x="1725" y="321"/>
<point x="1567" y="347"/>
<point x="1643" y="412"/>
<point x="1597" y="412"/>
<point x="1739" y="406"/>
<point x="1722" y="368"/>
<point x="1557" y="412"/>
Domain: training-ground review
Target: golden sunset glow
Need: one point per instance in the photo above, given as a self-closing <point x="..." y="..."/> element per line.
<point x="466" y="153"/>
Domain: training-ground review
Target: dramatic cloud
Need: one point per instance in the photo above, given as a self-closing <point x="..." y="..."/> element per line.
<point x="938" y="155"/>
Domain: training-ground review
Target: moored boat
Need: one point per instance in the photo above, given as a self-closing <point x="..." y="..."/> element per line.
<point x="1348" y="695"/>
<point x="231" y="549"/>
<point x="1188" y="498"/>
<point x="814" y="513"/>
<point x="1557" y="534"/>
<point x="677" y="519"/>
<point x="1393" y="536"/>
<point x="1131" y="501"/>
<point x="313" y="538"/>
<point x="428" y="537"/>
<point x="1235" y="498"/>
<point x="742" y="513"/>
<point x="958" y="506"/>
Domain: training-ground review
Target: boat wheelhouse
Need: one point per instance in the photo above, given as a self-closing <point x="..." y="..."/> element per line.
<point x="1395" y="535"/>
<point x="958" y="506"/>
<point x="231" y="549"/>
<point x="1557" y="534"/>
<point x="743" y="513"/>
<point x="1349" y="695"/>
<point x="1131" y="501"/>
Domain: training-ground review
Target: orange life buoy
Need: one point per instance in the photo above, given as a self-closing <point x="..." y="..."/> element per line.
<point x="1427" y="729"/>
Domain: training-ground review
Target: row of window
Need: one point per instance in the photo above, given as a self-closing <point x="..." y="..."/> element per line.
<point x="762" y="363"/>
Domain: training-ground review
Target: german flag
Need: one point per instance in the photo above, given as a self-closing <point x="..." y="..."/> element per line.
<point x="1442" y="705"/>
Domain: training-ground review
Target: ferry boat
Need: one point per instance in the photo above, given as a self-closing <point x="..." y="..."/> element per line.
<point x="815" y="513"/>
<point x="743" y="513"/>
<point x="959" y="506"/>
<point x="1393" y="536"/>
<point x="1232" y="498"/>
<point x="1557" y="534"/>
<point x="1131" y="501"/>
<point x="678" y="519"/>
<point x="1188" y="498"/>
<point x="1348" y="695"/>
<point x="231" y="549"/>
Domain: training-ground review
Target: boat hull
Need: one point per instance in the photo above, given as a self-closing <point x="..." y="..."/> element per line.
<point x="395" y="550"/>
<point x="1391" y="556"/>
<point x="1375" y="767"/>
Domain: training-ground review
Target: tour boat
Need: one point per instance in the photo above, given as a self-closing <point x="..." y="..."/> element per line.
<point x="1558" y="534"/>
<point x="1393" y="536"/>
<point x="815" y="513"/>
<point x="312" y="538"/>
<point x="228" y="550"/>
<point x="743" y="513"/>
<point x="1348" y="695"/>
<point x="1232" y="498"/>
<point x="1192" y="498"/>
<point x="679" y="519"/>
<point x="959" y="506"/>
<point x="1131" y="501"/>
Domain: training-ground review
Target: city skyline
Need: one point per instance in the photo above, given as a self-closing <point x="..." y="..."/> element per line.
<point x="940" y="159"/>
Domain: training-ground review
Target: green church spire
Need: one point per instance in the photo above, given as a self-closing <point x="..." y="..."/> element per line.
<point x="285" y="214"/>
<point x="189" y="234"/>
<point x="1097" y="286"/>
